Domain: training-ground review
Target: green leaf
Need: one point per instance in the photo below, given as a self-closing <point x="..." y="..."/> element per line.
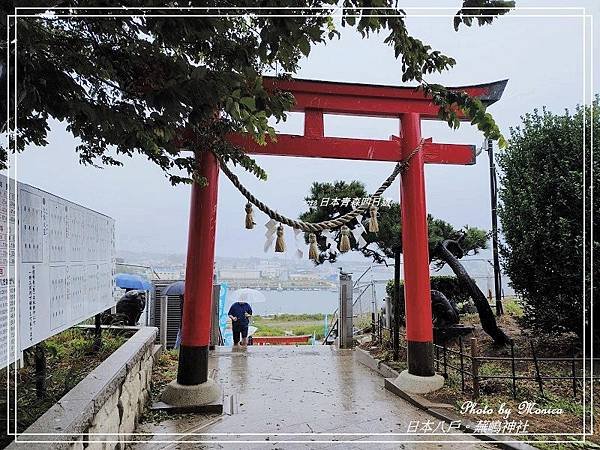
<point x="199" y="73"/>
<point x="304" y="46"/>
<point x="249" y="103"/>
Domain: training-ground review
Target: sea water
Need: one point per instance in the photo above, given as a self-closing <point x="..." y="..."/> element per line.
<point x="312" y="302"/>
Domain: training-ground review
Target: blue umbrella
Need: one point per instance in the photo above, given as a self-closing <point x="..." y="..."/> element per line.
<point x="131" y="281"/>
<point x="176" y="288"/>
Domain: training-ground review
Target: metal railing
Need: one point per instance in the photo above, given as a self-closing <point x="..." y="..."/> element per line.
<point x="469" y="364"/>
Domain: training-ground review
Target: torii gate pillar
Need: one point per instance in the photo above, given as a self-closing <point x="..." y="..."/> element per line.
<point x="193" y="388"/>
<point x="417" y="291"/>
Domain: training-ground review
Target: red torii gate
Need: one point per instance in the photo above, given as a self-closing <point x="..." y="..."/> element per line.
<point x="314" y="99"/>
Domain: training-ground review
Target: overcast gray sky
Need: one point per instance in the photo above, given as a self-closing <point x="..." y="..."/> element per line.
<point x="541" y="56"/>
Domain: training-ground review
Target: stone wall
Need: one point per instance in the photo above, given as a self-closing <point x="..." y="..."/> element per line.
<point x="105" y="406"/>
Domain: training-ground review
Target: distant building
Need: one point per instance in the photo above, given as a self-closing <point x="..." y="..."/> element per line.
<point x="168" y="273"/>
<point x="239" y="274"/>
<point x="303" y="276"/>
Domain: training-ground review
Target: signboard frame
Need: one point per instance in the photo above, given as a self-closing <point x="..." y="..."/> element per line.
<point x="63" y="272"/>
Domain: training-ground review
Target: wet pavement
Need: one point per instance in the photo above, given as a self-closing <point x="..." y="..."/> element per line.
<point x="302" y="397"/>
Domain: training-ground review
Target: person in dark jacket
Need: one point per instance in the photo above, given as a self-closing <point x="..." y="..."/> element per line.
<point x="131" y="305"/>
<point x="240" y="313"/>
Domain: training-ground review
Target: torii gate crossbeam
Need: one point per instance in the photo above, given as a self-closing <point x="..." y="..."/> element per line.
<point x="315" y="99"/>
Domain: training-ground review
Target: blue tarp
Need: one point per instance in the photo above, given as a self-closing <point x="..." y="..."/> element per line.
<point x="227" y="334"/>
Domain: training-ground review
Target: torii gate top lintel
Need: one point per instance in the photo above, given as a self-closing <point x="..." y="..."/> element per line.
<point x="371" y="99"/>
<point x="317" y="98"/>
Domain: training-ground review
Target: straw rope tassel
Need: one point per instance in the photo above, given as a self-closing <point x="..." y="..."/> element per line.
<point x="249" y="216"/>
<point x="327" y="224"/>
<point x="373" y="224"/>
<point x="313" y="250"/>
<point x="280" y="243"/>
<point x="345" y="239"/>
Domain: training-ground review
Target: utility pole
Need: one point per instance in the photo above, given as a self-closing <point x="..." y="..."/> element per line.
<point x="494" y="210"/>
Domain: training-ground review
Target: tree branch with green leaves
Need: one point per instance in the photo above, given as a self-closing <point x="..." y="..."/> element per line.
<point x="383" y="244"/>
<point x="126" y="85"/>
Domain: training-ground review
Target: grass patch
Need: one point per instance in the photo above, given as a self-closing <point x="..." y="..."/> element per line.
<point x="78" y="343"/>
<point x="490" y="369"/>
<point x="294" y="324"/>
<point x="265" y="330"/>
<point x="513" y="307"/>
<point x="296" y="330"/>
<point x="553" y="401"/>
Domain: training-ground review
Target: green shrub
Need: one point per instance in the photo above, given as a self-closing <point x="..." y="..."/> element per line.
<point x="542" y="210"/>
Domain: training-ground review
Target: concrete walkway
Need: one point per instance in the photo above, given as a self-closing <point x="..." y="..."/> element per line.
<point x="299" y="397"/>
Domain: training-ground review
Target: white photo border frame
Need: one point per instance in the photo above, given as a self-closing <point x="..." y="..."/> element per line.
<point x="587" y="20"/>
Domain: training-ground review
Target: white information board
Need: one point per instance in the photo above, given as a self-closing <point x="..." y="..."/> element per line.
<point x="7" y="273"/>
<point x="64" y="266"/>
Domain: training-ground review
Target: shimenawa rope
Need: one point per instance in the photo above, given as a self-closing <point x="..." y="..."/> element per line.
<point x="327" y="224"/>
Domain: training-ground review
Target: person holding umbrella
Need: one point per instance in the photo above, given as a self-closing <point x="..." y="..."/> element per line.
<point x="240" y="313"/>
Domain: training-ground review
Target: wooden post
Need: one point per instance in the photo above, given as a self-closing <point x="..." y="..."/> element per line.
<point x="373" y="328"/>
<point x="97" y="332"/>
<point x="445" y="361"/>
<point x="40" y="370"/>
<point x="514" y="373"/>
<point x="573" y="372"/>
<point x="462" y="364"/>
<point x="538" y="376"/>
<point x="475" y="367"/>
